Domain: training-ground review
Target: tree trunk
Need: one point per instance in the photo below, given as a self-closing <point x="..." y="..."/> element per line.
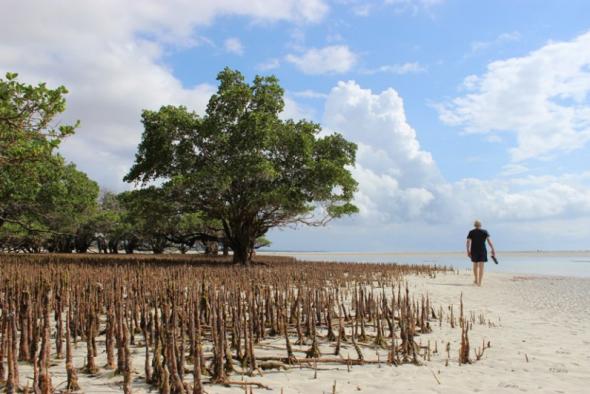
<point x="130" y="245"/>
<point x="158" y="245"/>
<point x="113" y="246"/>
<point x="242" y="255"/>
<point x="241" y="247"/>
<point x="225" y="247"/>
<point x="82" y="243"/>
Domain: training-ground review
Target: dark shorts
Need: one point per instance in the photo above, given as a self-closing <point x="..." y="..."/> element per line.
<point x="479" y="257"/>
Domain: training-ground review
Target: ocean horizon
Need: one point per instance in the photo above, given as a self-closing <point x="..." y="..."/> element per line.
<point x="552" y="263"/>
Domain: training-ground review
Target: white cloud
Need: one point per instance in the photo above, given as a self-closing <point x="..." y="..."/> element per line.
<point x="395" y="175"/>
<point x="400" y="186"/>
<point x="399" y="69"/>
<point x="296" y="111"/>
<point x="327" y="60"/>
<point x="513" y="169"/>
<point x="109" y="55"/>
<point x="270" y="64"/>
<point x="362" y="9"/>
<point x="308" y="93"/>
<point x="541" y="97"/>
<point x="234" y="45"/>
<point x="334" y="37"/>
<point x="526" y="198"/>
<point x="500" y="40"/>
<point x="413" y="6"/>
<point x="381" y="199"/>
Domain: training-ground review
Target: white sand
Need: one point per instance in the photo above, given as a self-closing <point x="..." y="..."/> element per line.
<point x="544" y="319"/>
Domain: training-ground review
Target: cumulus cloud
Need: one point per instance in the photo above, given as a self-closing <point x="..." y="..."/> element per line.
<point x="294" y="110"/>
<point x="109" y="54"/>
<point x="333" y="59"/>
<point x="377" y="122"/>
<point x="400" y="186"/>
<point x="524" y="198"/>
<point x="234" y="45"/>
<point x="541" y="97"/>
<point x="395" y="174"/>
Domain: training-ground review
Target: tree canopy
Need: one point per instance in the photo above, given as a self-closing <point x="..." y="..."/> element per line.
<point x="26" y="113"/>
<point x="243" y="165"/>
<point x="224" y="178"/>
<point x="28" y="140"/>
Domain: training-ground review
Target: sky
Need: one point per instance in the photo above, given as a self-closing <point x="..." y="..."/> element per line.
<point x="461" y="109"/>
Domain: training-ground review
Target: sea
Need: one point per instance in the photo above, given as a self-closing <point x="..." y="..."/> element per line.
<point x="551" y="263"/>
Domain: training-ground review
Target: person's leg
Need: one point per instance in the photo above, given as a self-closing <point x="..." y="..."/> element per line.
<point x="475" y="273"/>
<point x="480" y="273"/>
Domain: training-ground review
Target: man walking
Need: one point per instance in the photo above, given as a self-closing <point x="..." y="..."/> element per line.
<point x="476" y="250"/>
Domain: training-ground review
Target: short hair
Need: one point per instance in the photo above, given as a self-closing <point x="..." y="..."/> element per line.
<point x="477" y="224"/>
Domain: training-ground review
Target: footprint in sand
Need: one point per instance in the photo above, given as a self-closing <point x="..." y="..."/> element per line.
<point x="559" y="368"/>
<point x="508" y="385"/>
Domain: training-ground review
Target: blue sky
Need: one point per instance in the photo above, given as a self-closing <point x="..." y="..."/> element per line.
<point x="462" y="109"/>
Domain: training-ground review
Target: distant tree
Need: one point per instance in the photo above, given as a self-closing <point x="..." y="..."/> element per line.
<point x="56" y="214"/>
<point x="147" y="215"/>
<point x="188" y="230"/>
<point x="245" y="166"/>
<point x="109" y="224"/>
<point x="154" y="219"/>
<point x="69" y="204"/>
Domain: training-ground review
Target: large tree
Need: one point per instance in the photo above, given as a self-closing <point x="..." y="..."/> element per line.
<point x="28" y="139"/>
<point x="242" y="164"/>
<point x="44" y="201"/>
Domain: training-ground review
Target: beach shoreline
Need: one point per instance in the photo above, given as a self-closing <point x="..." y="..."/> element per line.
<point x="554" y="263"/>
<point x="584" y="253"/>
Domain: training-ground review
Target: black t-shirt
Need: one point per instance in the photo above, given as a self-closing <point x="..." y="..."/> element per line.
<point x="478" y="241"/>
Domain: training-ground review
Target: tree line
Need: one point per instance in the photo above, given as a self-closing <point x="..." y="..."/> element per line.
<point x="216" y="182"/>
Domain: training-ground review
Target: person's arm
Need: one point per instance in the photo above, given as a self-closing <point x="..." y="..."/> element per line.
<point x="468" y="246"/>
<point x="492" y="246"/>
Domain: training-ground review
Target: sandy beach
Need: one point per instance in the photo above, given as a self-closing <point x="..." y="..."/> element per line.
<point x="538" y="330"/>
<point x="545" y="320"/>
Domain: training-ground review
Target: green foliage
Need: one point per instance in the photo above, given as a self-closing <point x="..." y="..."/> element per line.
<point x="243" y="165"/>
<point x="43" y="200"/>
<point x="26" y="112"/>
<point x="68" y="202"/>
<point x="147" y="215"/>
<point x="27" y="143"/>
<point x="154" y="218"/>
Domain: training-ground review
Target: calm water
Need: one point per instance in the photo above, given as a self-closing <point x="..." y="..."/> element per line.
<point x="541" y="263"/>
